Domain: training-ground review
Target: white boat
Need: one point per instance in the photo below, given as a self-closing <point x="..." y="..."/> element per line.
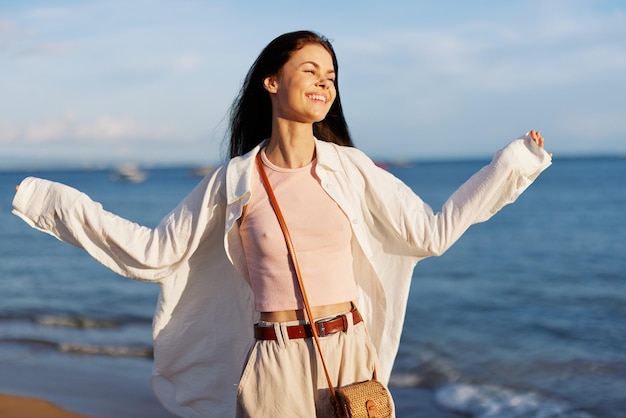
<point x="129" y="173"/>
<point x="201" y="171"/>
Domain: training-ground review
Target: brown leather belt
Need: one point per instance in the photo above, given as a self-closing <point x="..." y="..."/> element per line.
<point x="325" y="327"/>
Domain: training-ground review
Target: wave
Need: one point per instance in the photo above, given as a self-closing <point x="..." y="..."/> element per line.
<point x="79" y="322"/>
<point x="488" y="401"/>
<point x="75" y="322"/>
<point x="462" y="394"/>
<point x="86" y="349"/>
<point x="112" y="351"/>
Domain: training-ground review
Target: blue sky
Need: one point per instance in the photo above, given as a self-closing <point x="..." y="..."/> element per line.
<point x="102" y="81"/>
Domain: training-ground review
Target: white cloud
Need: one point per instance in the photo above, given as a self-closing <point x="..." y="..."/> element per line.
<point x="187" y="62"/>
<point x="50" y="129"/>
<point x="23" y="42"/>
<point x="69" y="127"/>
<point x="48" y="48"/>
<point x="9" y="131"/>
<point x="556" y="49"/>
<point x="5" y="27"/>
<point x="10" y="34"/>
<point x="441" y="79"/>
<point x="50" y="13"/>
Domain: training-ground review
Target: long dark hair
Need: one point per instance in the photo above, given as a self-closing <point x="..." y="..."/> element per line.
<point x="251" y="112"/>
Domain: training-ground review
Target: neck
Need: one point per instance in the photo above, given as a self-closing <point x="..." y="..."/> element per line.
<point x="291" y="145"/>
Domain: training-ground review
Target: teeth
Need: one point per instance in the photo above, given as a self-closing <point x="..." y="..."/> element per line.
<point x="318" y="97"/>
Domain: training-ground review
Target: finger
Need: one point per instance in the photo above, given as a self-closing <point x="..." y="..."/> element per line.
<point x="17" y="187"/>
<point x="537" y="138"/>
<point x="539" y="141"/>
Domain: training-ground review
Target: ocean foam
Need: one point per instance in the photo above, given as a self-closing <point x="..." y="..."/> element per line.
<point x="486" y="401"/>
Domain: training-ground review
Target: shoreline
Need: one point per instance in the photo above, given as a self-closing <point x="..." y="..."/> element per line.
<point x="82" y="385"/>
<point x="38" y="382"/>
<point x="17" y="406"/>
<point x="408" y="402"/>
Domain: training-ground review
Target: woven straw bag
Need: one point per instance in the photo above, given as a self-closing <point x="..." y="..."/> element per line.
<point x="368" y="399"/>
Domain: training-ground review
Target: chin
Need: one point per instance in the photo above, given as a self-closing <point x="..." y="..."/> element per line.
<point x="319" y="118"/>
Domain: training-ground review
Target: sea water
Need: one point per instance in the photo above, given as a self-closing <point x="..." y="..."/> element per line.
<point x="524" y="317"/>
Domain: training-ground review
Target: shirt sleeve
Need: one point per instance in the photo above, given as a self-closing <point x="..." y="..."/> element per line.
<point x="125" y="247"/>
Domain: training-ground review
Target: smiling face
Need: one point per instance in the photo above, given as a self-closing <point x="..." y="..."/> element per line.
<point x="304" y="89"/>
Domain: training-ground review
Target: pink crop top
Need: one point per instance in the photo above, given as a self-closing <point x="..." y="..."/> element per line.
<point x="321" y="235"/>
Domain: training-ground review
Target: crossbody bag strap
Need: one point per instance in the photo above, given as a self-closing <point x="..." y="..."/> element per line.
<point x="294" y="260"/>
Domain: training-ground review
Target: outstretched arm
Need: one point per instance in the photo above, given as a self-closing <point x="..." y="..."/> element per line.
<point x="496" y="185"/>
<point x="408" y="221"/>
<point x="125" y="247"/>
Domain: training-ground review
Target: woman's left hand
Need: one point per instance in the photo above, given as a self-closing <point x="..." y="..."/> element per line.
<point x="538" y="139"/>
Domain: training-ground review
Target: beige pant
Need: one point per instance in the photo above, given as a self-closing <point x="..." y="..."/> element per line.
<point x="285" y="378"/>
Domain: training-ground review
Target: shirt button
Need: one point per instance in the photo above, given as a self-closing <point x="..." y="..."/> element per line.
<point x="355" y="221"/>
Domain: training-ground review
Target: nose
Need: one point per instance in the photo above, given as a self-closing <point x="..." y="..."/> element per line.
<point x="323" y="82"/>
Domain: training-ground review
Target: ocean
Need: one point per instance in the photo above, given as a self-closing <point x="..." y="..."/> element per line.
<point x="524" y="317"/>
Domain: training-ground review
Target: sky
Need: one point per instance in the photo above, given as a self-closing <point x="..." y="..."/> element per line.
<point x="108" y="81"/>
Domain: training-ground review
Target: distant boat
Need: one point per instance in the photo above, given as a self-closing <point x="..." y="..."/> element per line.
<point x="129" y="173"/>
<point x="201" y="171"/>
<point x="401" y="163"/>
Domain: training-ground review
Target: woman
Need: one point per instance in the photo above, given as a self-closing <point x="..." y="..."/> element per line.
<point x="222" y="264"/>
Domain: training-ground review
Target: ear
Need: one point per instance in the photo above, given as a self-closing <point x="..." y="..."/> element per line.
<point x="270" y="83"/>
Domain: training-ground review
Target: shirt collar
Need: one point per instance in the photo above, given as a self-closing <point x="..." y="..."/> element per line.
<point x="327" y="155"/>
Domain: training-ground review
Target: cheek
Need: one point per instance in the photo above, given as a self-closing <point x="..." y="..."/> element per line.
<point x="333" y="96"/>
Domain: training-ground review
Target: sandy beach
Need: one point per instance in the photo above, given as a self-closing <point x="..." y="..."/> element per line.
<point x="22" y="407"/>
